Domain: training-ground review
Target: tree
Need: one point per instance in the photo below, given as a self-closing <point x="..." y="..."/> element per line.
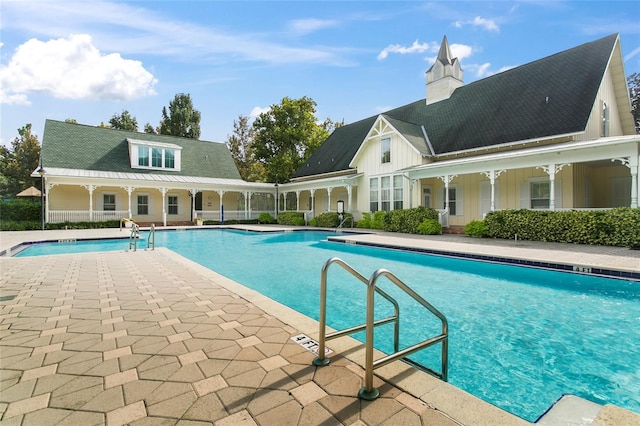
<point x="71" y="120"/>
<point x="240" y="146"/>
<point x="182" y="120"/>
<point x="285" y="136"/>
<point x="124" y="121"/>
<point x="148" y="128"/>
<point x="18" y="162"/>
<point x="633" y="81"/>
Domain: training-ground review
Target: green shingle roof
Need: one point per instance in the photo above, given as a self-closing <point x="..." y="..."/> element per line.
<point x="548" y="97"/>
<point x="77" y="146"/>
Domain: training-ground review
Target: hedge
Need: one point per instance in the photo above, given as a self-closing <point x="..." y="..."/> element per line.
<point x="408" y="220"/>
<point x="20" y="210"/>
<point x="330" y="220"/>
<point x="614" y="227"/>
<point x="291" y="218"/>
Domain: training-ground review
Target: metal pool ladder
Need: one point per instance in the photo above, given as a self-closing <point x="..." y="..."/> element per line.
<point x="368" y="392"/>
<point x="135" y="234"/>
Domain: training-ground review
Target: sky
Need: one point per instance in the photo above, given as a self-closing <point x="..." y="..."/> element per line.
<point x="91" y="60"/>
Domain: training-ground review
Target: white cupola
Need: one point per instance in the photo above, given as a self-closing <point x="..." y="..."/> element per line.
<point x="444" y="76"/>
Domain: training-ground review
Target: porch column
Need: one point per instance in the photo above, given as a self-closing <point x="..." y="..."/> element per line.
<point x="552" y="170"/>
<point x="46" y="200"/>
<point x="635" y="194"/>
<point x="493" y="175"/>
<point x="247" y="203"/>
<point x="90" y="188"/>
<point x="193" y="193"/>
<point x="298" y="200"/>
<point x="284" y="195"/>
<point x="163" y="191"/>
<point x="129" y="190"/>
<point x="447" y="180"/>
<point x="313" y="202"/>
<point x="349" y="192"/>
<point x="221" y="193"/>
<point x="329" y="189"/>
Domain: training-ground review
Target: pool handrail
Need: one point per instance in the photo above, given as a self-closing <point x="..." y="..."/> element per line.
<point x="323" y="336"/>
<point x="368" y="392"/>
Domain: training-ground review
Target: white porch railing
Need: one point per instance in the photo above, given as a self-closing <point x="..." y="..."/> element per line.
<point x="57" y="216"/>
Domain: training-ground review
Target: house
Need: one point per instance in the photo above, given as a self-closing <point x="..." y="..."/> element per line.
<point x="556" y="133"/>
<point x="96" y="174"/>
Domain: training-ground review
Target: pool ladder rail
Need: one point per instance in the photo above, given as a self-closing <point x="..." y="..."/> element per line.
<point x="368" y="392"/>
<point x="134" y="236"/>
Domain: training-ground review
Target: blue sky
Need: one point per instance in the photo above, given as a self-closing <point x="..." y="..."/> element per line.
<point x="90" y="60"/>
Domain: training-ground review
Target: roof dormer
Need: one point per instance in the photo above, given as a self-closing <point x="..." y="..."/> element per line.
<point x="444" y="76"/>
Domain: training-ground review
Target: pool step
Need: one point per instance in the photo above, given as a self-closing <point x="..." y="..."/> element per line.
<point x="570" y="410"/>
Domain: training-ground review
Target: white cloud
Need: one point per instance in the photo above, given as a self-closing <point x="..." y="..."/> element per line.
<point x="256" y="111"/>
<point x="632" y="54"/>
<point x="306" y="26"/>
<point x="72" y="68"/>
<point x="478" y="21"/>
<point x="397" y="48"/>
<point x="460" y="51"/>
<point x="132" y="30"/>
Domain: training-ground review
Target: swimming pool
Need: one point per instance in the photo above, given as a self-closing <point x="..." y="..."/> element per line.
<point x="519" y="337"/>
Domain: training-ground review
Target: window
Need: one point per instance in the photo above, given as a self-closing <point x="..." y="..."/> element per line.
<point x="143" y="156"/>
<point x="373" y="194"/>
<point x="156" y="157"/>
<point x="169" y="159"/>
<point x="540" y="193"/>
<point x="605" y="120"/>
<point x="173" y="204"/>
<point x="385" y="143"/>
<point x="453" y="202"/>
<point x="109" y="202"/>
<point x="397" y="192"/>
<point x="143" y="204"/>
<point x="385" y="193"/>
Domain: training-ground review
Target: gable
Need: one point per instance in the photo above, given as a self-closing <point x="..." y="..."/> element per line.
<point x="77" y="146"/>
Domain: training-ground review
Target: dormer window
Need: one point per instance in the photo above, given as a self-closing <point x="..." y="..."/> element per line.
<point x="154" y="155"/>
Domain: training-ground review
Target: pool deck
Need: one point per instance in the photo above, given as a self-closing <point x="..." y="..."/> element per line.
<point x="149" y="337"/>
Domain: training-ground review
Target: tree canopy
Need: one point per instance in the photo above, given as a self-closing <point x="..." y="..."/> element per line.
<point x="285" y="137"/>
<point x="18" y="162"/>
<point x="124" y="121"/>
<point x="240" y="146"/>
<point x="181" y="120"/>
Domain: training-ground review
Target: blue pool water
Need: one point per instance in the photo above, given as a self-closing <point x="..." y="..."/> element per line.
<point x="519" y="337"/>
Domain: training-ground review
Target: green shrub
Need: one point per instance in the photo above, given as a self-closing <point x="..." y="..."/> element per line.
<point x="615" y="227"/>
<point x="329" y="220"/>
<point x="476" y="228"/>
<point x="265" y="218"/>
<point x="429" y="227"/>
<point x="408" y="220"/>
<point x="19" y="210"/>
<point x="291" y="218"/>
<point x="24" y="225"/>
